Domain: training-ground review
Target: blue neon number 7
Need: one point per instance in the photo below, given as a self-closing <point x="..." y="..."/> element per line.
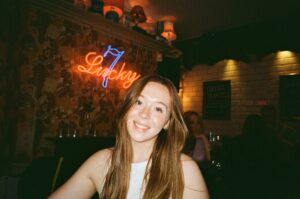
<point x="118" y="54"/>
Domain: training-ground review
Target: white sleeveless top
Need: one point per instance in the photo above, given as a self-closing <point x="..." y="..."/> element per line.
<point x="135" y="190"/>
<point x="136" y="180"/>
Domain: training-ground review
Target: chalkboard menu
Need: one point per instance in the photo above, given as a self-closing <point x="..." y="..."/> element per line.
<point x="289" y="96"/>
<point x="217" y="100"/>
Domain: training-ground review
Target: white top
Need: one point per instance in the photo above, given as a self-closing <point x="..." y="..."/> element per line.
<point x="136" y="180"/>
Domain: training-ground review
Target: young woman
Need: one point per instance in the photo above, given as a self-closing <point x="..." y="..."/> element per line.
<point x="146" y="162"/>
<point x="197" y="145"/>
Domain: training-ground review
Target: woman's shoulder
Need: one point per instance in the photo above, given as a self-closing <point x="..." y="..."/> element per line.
<point x="185" y="157"/>
<point x="97" y="165"/>
<point x="101" y="155"/>
<point x="188" y="164"/>
<point x="193" y="178"/>
<point x="100" y="159"/>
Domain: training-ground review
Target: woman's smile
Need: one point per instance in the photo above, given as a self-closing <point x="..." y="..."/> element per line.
<point x="140" y="127"/>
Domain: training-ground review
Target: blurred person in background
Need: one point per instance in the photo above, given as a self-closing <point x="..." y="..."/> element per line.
<point x="282" y="131"/>
<point x="197" y="145"/>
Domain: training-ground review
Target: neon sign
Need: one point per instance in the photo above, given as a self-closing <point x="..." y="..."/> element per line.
<point x="94" y="66"/>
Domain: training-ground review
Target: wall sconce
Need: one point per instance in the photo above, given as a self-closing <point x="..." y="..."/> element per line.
<point x="113" y="9"/>
<point x="137" y="14"/>
<point x="168" y="32"/>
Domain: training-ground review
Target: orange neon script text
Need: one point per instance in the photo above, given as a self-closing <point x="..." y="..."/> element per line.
<point x="94" y="66"/>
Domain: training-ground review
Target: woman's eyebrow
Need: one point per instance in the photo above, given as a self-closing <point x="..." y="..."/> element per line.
<point x="159" y="102"/>
<point x="162" y="103"/>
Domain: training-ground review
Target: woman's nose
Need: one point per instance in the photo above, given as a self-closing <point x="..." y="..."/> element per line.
<point x="145" y="112"/>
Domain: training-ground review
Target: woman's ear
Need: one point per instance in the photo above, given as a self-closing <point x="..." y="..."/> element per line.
<point x="166" y="126"/>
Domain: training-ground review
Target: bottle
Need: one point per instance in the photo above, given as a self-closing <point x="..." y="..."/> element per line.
<point x="75" y="133"/>
<point x="87" y="125"/>
<point x="61" y="129"/>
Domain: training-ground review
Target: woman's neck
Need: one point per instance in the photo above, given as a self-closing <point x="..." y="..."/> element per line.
<point x="141" y="152"/>
<point x="199" y="135"/>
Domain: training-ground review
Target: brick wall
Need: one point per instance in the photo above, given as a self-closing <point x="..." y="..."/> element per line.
<point x="252" y="84"/>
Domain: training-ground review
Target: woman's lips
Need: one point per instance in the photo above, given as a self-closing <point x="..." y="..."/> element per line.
<point x="140" y="127"/>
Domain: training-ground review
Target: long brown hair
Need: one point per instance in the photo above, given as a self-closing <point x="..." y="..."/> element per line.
<point x="163" y="177"/>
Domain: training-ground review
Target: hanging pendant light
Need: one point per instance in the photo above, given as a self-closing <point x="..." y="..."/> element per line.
<point x="169" y="32"/>
<point x="113" y="9"/>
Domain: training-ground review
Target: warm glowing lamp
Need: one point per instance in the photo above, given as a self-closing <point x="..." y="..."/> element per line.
<point x="113" y="9"/>
<point x="168" y="32"/>
<point x="137" y="14"/>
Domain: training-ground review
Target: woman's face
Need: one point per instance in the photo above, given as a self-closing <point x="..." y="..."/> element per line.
<point x="194" y="124"/>
<point x="149" y="114"/>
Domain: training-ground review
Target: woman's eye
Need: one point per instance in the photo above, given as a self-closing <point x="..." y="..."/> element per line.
<point x="158" y="109"/>
<point x="138" y="102"/>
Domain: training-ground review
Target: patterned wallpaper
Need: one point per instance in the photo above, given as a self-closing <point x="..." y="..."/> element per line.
<point x="56" y="99"/>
